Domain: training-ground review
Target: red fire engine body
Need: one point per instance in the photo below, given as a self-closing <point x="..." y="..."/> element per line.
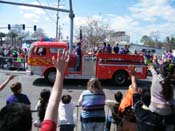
<point x="101" y="66"/>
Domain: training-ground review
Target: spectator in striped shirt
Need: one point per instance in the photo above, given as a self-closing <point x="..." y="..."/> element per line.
<point x="92" y="101"/>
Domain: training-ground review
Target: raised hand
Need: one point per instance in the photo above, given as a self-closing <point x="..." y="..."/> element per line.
<point x="132" y="69"/>
<point x="150" y="66"/>
<point x="61" y="61"/>
<point x="10" y="77"/>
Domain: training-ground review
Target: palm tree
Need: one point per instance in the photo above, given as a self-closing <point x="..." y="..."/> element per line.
<point x="12" y="35"/>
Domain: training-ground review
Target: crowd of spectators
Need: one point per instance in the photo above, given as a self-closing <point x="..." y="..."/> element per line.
<point x="12" y="57"/>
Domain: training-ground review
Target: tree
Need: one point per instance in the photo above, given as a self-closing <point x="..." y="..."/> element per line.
<point x="147" y="40"/>
<point x="170" y="42"/>
<point x="1" y="36"/>
<point x="155" y="35"/>
<point x="152" y="40"/>
<point x="12" y="35"/>
<point x="95" y="32"/>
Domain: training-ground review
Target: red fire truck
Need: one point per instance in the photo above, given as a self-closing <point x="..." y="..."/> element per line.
<point x="101" y="66"/>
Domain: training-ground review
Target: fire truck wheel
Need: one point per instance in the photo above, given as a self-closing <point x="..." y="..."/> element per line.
<point x="50" y="75"/>
<point x="120" y="77"/>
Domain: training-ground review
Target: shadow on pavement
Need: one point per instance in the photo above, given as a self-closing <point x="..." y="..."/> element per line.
<point x="41" y="82"/>
<point x="79" y="84"/>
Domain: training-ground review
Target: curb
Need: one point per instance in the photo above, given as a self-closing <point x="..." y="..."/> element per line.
<point x="12" y="72"/>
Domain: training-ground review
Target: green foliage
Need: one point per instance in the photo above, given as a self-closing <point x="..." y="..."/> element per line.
<point x="2" y="35"/>
<point x="12" y="34"/>
<point x="153" y="41"/>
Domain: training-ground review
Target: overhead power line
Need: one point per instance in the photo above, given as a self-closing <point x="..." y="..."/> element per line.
<point x="46" y="12"/>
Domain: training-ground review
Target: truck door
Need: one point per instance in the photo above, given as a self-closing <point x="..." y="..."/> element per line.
<point x="89" y="65"/>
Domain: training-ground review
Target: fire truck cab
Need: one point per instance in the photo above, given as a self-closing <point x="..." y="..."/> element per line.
<point x="101" y="66"/>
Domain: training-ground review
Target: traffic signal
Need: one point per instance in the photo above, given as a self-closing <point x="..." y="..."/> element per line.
<point x="23" y="26"/>
<point x="34" y="28"/>
<point x="9" y="27"/>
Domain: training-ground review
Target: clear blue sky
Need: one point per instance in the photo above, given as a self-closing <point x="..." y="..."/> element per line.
<point x="136" y="17"/>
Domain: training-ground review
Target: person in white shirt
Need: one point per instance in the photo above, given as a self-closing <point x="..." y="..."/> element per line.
<point x="66" y="111"/>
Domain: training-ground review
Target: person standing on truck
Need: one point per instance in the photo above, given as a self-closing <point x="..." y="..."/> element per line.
<point x="78" y="56"/>
<point x="126" y="49"/>
<point x="109" y="48"/>
<point x="104" y="49"/>
<point x="116" y="49"/>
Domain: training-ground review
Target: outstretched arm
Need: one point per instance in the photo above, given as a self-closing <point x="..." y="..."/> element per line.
<point x="60" y="63"/>
<point x="132" y="70"/>
<point x="153" y="71"/>
<point x="2" y="86"/>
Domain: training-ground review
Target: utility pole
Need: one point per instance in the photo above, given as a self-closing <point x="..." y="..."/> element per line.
<point x="59" y="32"/>
<point x="57" y="19"/>
<point x="71" y="15"/>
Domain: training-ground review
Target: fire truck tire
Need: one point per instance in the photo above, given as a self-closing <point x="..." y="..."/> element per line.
<point x="50" y="75"/>
<point x="120" y="77"/>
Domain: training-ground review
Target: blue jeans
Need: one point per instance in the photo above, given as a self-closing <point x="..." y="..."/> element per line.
<point x="108" y="123"/>
<point x="92" y="126"/>
<point x="67" y="127"/>
<point x="110" y="120"/>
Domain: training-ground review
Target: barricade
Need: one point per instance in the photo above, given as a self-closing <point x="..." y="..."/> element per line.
<point x="13" y="63"/>
<point x="125" y="126"/>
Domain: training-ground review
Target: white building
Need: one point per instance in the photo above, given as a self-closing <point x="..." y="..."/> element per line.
<point x="119" y="37"/>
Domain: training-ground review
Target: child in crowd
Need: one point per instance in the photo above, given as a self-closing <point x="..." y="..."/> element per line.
<point x="17" y="96"/>
<point x="41" y="106"/>
<point x="127" y="101"/>
<point x="114" y="105"/>
<point x="66" y="111"/>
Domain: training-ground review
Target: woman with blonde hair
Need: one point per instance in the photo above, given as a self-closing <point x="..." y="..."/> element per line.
<point x="92" y="101"/>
